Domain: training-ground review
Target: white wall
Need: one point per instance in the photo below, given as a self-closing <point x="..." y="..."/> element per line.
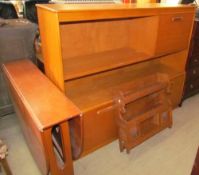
<point x="173" y="1"/>
<point x="170" y="1"/>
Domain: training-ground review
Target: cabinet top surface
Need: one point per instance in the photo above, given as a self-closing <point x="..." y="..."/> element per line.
<point x="101" y="7"/>
<point x="81" y="12"/>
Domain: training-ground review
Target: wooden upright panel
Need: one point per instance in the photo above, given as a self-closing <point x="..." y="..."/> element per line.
<point x="51" y="46"/>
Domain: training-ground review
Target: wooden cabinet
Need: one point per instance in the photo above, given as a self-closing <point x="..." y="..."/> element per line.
<point x="89" y="51"/>
<point x="192" y="67"/>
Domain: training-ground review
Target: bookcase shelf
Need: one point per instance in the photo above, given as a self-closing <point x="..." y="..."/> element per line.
<point x="87" y="95"/>
<point x="94" y="63"/>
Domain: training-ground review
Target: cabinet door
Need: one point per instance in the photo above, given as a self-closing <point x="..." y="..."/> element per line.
<point x="173" y="33"/>
<point x="99" y="128"/>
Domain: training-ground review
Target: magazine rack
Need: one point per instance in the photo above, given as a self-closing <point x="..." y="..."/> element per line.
<point x="143" y="110"/>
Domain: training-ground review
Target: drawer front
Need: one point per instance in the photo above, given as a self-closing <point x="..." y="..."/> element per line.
<point x="191" y="87"/>
<point x="193" y="73"/>
<point x="195" y="47"/>
<point x="99" y="128"/>
<point x="196" y="30"/>
<point x="174" y="32"/>
<point x="193" y="61"/>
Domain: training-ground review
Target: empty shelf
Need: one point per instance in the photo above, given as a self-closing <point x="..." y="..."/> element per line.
<point x="89" y="64"/>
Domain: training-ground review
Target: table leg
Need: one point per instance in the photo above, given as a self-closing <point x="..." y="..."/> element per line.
<point x="6" y="167"/>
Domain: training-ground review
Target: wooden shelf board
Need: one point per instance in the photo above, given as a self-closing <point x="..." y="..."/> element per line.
<point x="90" y="64"/>
<point x="87" y="95"/>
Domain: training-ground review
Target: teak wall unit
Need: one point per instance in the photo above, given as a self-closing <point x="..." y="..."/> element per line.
<point x="90" y="50"/>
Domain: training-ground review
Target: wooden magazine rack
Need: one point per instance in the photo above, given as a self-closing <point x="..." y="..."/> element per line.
<point x="144" y="109"/>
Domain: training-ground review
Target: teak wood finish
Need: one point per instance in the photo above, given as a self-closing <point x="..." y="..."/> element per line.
<point x="89" y="52"/>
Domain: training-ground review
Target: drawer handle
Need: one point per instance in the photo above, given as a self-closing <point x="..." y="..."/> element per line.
<point x="177" y="18"/>
<point x="119" y="103"/>
<point x="194" y="71"/>
<point x="106" y="109"/>
<point x="191" y="86"/>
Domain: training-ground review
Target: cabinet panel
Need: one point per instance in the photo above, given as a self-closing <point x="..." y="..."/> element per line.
<point x="174" y="32"/>
<point x="176" y="61"/>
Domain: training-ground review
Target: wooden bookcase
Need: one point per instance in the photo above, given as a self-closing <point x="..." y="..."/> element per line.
<point x="91" y="50"/>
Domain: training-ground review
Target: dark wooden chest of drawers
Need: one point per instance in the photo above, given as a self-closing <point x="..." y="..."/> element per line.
<point x="192" y="67"/>
<point x="195" y="169"/>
